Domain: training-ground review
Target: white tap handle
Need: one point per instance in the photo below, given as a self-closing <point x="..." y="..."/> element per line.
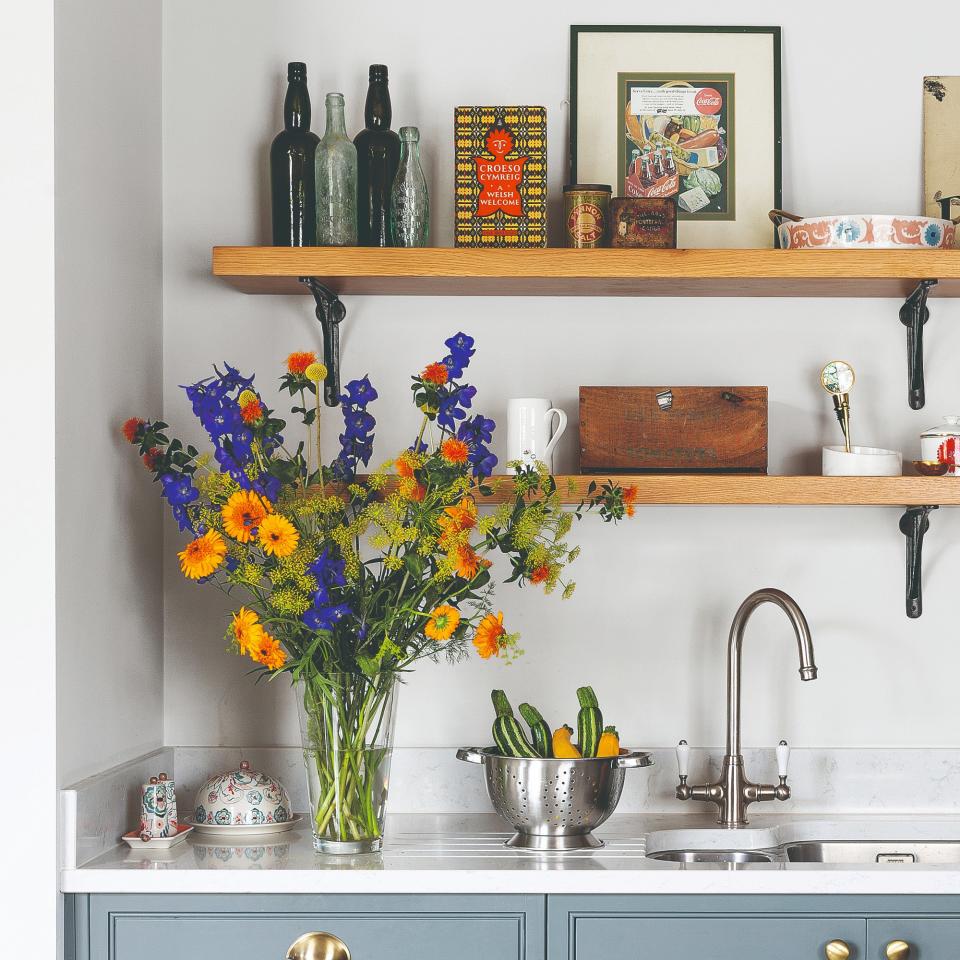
<point x="783" y="757"/>
<point x="683" y="757"/>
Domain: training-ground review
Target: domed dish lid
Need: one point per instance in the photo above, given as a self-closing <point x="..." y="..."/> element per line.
<point x="242" y="798"/>
<point x="948" y="427"/>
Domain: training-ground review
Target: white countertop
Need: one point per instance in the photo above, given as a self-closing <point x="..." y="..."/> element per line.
<point x="465" y="853"/>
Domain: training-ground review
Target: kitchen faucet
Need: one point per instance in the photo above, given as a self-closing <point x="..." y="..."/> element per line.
<point x="733" y="791"/>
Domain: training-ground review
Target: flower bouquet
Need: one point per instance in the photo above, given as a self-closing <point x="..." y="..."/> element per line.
<point x="348" y="580"/>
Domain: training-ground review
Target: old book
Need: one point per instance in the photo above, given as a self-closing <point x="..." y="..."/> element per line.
<point x="684" y="429"/>
<point x="500" y="180"/>
<point x="941" y="147"/>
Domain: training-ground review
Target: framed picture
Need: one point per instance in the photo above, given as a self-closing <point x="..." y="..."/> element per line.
<point x="691" y="113"/>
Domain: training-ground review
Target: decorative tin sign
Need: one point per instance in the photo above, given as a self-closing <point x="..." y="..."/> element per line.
<point x="643" y="222"/>
<point x="500" y="176"/>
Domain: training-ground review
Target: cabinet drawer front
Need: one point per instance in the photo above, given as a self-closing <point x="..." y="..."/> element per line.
<point x="710" y="938"/>
<point x="263" y="928"/>
<point x="929" y="938"/>
<point x="268" y="938"/>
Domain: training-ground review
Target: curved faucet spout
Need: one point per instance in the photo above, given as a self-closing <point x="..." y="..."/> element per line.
<point x="808" y="667"/>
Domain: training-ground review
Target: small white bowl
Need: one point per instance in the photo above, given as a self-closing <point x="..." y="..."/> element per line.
<point x="862" y="462"/>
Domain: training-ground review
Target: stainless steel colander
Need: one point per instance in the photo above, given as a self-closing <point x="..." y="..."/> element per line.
<point x="554" y="804"/>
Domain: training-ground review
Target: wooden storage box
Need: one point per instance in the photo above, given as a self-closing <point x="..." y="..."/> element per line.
<point x="686" y="429"/>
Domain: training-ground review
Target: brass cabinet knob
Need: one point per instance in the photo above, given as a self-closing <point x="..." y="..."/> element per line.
<point x="837" y="950"/>
<point x="897" y="950"/>
<point x="318" y="946"/>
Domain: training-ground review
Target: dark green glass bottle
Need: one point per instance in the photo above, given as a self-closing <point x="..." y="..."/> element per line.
<point x="292" y="174"/>
<point x="378" y="156"/>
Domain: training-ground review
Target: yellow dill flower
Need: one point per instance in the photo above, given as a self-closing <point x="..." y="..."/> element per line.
<point x="377" y="481"/>
<point x="380" y="541"/>
<point x="277" y="535"/>
<point x="250" y="572"/>
<point x="202" y="556"/>
<point x="442" y="624"/>
<point x="289" y="602"/>
<point x="573" y="554"/>
<point x="356" y="490"/>
<point x="564" y="523"/>
<point x="568" y="590"/>
<point x="393" y="562"/>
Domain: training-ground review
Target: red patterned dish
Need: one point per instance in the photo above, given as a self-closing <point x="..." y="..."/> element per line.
<point x="871" y="231"/>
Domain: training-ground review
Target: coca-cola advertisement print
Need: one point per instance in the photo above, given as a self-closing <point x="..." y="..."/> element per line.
<point x="676" y="141"/>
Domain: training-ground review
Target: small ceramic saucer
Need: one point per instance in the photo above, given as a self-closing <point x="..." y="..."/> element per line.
<point x="224" y="830"/>
<point x="157" y="843"/>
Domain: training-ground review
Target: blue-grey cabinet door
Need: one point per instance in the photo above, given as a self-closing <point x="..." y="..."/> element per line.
<point x="593" y="930"/>
<point x="126" y="927"/>
<point x="927" y="938"/>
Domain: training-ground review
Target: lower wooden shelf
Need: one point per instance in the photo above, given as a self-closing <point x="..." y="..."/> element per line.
<point x="705" y="489"/>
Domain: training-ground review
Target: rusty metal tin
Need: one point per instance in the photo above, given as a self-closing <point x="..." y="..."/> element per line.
<point x="585" y="214"/>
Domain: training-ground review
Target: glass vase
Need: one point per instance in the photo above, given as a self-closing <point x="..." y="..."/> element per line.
<point x="336" y="181"/>
<point x="409" y="202"/>
<point x="346" y="724"/>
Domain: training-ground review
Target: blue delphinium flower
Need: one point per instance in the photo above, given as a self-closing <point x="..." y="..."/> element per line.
<point x="454" y="402"/>
<point x="477" y="432"/>
<point x="461" y="350"/>
<point x="328" y="571"/>
<point x="178" y="490"/>
<point x="356" y="441"/>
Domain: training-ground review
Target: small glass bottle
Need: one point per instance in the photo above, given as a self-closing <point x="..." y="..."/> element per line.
<point x="409" y="202"/>
<point x="336" y="181"/>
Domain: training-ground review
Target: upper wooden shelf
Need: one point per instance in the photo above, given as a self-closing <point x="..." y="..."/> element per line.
<point x="444" y="271"/>
<point x="753" y="489"/>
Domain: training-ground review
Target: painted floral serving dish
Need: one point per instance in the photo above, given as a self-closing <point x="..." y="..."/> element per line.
<point x="244" y="800"/>
<point x="863" y="231"/>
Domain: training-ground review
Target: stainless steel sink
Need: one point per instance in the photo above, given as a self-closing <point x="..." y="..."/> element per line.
<point x="712" y="856"/>
<point x="861" y="851"/>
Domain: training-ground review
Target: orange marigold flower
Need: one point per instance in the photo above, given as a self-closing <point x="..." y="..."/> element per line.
<point x="487" y="638"/>
<point x="243" y="513"/>
<point x="298" y="361"/>
<point x="202" y="556"/>
<point x="247" y="629"/>
<point x="540" y="573"/>
<point x="436" y="373"/>
<point x="268" y="652"/>
<point x="462" y="515"/>
<point x="443" y="623"/>
<point x="130" y="428"/>
<point x="630" y="498"/>
<point x="277" y="535"/>
<point x="252" y="411"/>
<point x="152" y="457"/>
<point x="464" y="560"/>
<point x="454" y="451"/>
<point x="404" y="466"/>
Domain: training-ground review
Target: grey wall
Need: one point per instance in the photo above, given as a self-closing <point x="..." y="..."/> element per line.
<point x="648" y="623"/>
<point x="108" y="367"/>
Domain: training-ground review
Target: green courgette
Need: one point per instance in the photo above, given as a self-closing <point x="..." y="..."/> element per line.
<point x="538" y="728"/>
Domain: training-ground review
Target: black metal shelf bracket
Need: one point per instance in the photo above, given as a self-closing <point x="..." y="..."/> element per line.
<point x="330" y="313"/>
<point x="913" y="315"/>
<point x="913" y="525"/>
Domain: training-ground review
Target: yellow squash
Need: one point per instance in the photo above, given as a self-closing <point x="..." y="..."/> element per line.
<point x="609" y="745"/>
<point x="563" y="748"/>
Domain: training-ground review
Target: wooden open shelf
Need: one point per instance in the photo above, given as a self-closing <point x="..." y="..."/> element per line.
<point x="746" y="489"/>
<point x="562" y="272"/>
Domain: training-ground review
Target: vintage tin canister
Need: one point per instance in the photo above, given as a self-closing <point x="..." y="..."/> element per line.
<point x="585" y="213"/>
<point x="942" y="443"/>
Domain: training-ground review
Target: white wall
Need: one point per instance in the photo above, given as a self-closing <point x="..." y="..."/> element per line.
<point x="28" y="899"/>
<point x="109" y="329"/>
<point x="648" y="624"/>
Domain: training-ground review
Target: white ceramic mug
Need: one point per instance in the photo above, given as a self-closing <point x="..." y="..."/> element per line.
<point x="529" y="439"/>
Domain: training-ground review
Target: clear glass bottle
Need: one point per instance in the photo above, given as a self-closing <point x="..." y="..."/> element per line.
<point x="336" y="181"/>
<point x="409" y="202"/>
